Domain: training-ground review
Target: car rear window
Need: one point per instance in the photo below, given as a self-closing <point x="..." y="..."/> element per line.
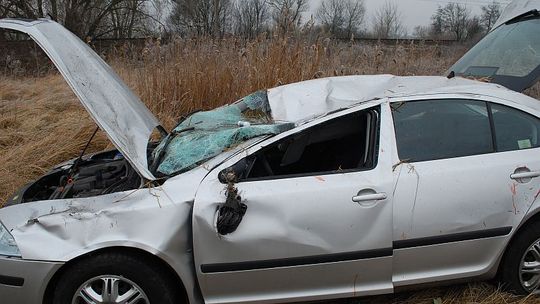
<point x="429" y="129"/>
<point x="514" y="129"/>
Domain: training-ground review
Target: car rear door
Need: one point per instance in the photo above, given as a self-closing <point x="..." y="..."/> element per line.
<point x="308" y="232"/>
<point x="467" y="175"/>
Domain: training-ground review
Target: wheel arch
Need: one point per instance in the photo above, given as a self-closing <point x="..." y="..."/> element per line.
<point x="529" y="220"/>
<point x="167" y="269"/>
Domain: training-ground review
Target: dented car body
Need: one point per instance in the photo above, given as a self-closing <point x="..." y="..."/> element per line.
<point x="329" y="188"/>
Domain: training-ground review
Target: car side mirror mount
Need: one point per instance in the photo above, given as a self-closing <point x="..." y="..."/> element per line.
<point x="236" y="172"/>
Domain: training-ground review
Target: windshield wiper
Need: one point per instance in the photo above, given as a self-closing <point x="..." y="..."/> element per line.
<point x="531" y="13"/>
<point x="168" y="140"/>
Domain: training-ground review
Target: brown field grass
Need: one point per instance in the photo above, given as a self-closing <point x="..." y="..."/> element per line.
<point x="42" y="123"/>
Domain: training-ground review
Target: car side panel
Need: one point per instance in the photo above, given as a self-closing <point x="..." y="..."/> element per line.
<point x="302" y="238"/>
<point x="454" y="217"/>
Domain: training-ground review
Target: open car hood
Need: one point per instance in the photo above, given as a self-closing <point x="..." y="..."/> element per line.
<point x="508" y="55"/>
<point x="113" y="106"/>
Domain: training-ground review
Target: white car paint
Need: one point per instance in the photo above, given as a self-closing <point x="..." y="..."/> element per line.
<point x="516" y="8"/>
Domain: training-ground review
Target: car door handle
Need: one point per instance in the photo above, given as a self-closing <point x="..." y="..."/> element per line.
<point x="369" y="197"/>
<point x="520" y="175"/>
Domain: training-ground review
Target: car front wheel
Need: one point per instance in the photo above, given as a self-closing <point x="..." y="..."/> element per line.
<point x="520" y="271"/>
<point x="113" y="278"/>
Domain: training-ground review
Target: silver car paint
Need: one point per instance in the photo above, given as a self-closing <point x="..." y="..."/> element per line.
<point x="286" y="218"/>
<point x="317" y="97"/>
<point x="34" y="273"/>
<point x="110" y="102"/>
<point x="156" y="220"/>
<point x="445" y="196"/>
<point x="417" y="212"/>
<point x="515" y="9"/>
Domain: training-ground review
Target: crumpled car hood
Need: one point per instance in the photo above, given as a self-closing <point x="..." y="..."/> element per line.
<point x="110" y="102"/>
<point x="516" y="9"/>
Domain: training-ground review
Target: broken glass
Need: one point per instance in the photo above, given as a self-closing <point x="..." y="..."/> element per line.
<point x="206" y="134"/>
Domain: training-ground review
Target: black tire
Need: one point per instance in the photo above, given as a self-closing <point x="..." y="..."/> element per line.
<point x="510" y="276"/>
<point x="157" y="287"/>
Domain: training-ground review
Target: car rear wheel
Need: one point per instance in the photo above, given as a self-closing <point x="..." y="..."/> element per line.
<point x="520" y="271"/>
<point x="113" y="278"/>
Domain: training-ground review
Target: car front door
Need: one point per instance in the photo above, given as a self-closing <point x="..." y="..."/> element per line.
<point x="318" y="222"/>
<point x="459" y="191"/>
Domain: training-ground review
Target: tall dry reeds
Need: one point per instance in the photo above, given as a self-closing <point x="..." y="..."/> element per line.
<point x="188" y="75"/>
<point x="41" y="124"/>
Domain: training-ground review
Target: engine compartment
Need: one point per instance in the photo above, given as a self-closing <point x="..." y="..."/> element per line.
<point x="96" y="174"/>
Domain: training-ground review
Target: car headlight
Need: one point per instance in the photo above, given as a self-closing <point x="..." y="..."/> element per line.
<point x="8" y="247"/>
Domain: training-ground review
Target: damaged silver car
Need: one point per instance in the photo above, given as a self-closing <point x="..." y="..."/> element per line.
<point x="329" y="188"/>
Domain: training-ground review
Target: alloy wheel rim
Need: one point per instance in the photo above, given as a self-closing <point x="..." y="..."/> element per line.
<point x="529" y="270"/>
<point x="108" y="289"/>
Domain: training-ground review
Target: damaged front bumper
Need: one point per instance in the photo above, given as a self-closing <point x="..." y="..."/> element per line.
<point x="23" y="281"/>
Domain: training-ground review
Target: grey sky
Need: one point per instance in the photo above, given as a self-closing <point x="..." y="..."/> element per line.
<point x="416" y="12"/>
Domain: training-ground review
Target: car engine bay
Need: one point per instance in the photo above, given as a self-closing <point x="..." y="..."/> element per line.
<point x="92" y="175"/>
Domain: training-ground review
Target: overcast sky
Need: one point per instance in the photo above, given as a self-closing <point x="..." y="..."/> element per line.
<point x="416" y="12"/>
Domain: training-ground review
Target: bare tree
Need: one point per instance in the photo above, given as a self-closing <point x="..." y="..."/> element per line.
<point x="436" y="27"/>
<point x="474" y="28"/>
<point x="250" y="17"/>
<point x="89" y="19"/>
<point x="453" y="18"/>
<point x="387" y="22"/>
<point x="341" y="17"/>
<point x="331" y="14"/>
<point x="200" y="17"/>
<point x="490" y="14"/>
<point x="422" y="32"/>
<point x="287" y="14"/>
<point x="4" y="9"/>
<point x="355" y="13"/>
<point x="18" y="9"/>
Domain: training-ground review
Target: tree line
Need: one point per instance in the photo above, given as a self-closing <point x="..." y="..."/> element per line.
<point x="93" y="19"/>
<point x="455" y="21"/>
<point x="346" y="19"/>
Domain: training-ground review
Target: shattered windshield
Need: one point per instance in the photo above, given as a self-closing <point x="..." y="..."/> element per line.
<point x="205" y="135"/>
<point x="510" y="56"/>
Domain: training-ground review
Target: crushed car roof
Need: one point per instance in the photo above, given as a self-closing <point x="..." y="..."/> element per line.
<point x="304" y="100"/>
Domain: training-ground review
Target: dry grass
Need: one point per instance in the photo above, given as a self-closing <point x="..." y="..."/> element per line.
<point x="42" y="123"/>
<point x="202" y="74"/>
<point x="474" y="293"/>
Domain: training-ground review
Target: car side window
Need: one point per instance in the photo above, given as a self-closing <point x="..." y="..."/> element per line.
<point x="342" y="144"/>
<point x="514" y="129"/>
<point x="437" y="129"/>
